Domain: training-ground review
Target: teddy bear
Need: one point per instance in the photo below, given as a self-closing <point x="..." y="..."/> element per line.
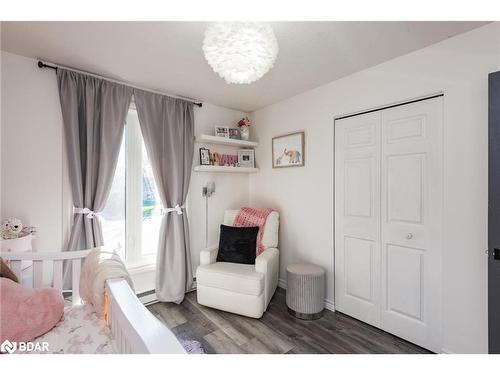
<point x="11" y="228"/>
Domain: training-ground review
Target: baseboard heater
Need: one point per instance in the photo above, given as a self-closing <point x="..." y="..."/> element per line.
<point x="149" y="296"/>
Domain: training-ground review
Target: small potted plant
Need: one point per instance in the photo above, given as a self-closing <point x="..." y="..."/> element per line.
<point x="244" y="125"/>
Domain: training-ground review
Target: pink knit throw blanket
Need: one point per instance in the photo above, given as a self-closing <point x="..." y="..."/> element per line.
<point x="253" y="217"/>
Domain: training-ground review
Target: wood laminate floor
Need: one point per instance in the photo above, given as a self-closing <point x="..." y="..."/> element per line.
<point x="276" y="332"/>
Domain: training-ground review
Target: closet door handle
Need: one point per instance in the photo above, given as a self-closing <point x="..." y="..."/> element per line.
<point x="409" y="236"/>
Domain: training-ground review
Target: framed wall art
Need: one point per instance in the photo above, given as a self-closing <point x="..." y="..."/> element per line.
<point x="288" y="150"/>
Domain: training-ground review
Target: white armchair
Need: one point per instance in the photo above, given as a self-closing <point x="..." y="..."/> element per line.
<point x="244" y="289"/>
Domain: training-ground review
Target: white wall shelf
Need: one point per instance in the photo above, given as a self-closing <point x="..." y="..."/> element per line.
<point x="204" y="138"/>
<point x="216" y="168"/>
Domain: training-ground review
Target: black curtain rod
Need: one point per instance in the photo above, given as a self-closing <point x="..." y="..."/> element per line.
<point x="42" y="65"/>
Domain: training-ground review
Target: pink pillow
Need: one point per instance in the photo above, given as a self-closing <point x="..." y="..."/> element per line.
<point x="27" y="313"/>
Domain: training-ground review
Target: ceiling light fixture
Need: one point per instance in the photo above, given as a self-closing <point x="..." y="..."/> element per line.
<point x="240" y="52"/>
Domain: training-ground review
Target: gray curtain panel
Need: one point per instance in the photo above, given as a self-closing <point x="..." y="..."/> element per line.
<point x="167" y="126"/>
<point x="94" y="112"/>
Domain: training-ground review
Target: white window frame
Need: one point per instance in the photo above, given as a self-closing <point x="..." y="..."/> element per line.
<point x="136" y="260"/>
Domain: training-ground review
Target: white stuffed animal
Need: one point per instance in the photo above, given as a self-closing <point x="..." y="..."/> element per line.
<point x="11" y="228"/>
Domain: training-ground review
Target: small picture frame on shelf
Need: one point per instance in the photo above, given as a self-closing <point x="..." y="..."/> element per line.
<point x="204" y="156"/>
<point x="222" y="131"/>
<point x="234" y="133"/>
<point x="246" y="158"/>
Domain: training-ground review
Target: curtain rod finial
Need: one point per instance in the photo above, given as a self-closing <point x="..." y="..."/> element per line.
<point x="41" y="65"/>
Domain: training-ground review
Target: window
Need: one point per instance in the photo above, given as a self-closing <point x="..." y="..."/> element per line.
<point x="132" y="216"/>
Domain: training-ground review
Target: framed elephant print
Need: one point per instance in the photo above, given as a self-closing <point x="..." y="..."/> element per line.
<point x="288" y="150"/>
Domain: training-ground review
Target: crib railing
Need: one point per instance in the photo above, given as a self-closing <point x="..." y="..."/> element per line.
<point x="50" y="259"/>
<point x="133" y="327"/>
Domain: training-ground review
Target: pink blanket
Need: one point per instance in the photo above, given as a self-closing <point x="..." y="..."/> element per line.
<point x="253" y="217"/>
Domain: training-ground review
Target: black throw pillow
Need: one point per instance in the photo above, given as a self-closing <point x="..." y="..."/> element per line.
<point x="237" y="244"/>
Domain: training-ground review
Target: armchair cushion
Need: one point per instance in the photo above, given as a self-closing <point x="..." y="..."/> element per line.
<point x="233" y="277"/>
<point x="237" y="244"/>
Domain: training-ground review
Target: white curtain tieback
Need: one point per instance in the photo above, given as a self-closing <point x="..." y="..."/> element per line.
<point x="177" y="209"/>
<point x="84" y="211"/>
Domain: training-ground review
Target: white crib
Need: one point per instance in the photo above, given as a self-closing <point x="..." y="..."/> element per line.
<point x="134" y="329"/>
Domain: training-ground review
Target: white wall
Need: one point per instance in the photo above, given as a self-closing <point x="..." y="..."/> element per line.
<point x="231" y="189"/>
<point x="31" y="148"/>
<point x="459" y="67"/>
<point x="34" y="177"/>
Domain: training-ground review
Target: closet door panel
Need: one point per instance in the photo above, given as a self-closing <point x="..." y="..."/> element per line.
<point x="359" y="268"/>
<point x="357" y="217"/>
<point x="411" y="211"/>
<point x="405" y="185"/>
<point x="404" y="294"/>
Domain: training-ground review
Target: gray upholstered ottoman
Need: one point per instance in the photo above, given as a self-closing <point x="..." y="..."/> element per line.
<point x="305" y="290"/>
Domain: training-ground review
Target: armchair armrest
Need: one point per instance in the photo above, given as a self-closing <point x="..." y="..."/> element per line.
<point x="208" y="255"/>
<point x="268" y="263"/>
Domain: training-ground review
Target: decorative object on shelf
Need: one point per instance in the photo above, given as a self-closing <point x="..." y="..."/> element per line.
<point x="245" y="133"/>
<point x="215" y="159"/>
<point x="223" y="160"/>
<point x="204" y="156"/>
<point x="246" y="158"/>
<point x="13" y="228"/>
<point x="240" y="52"/>
<point x="234" y="133"/>
<point x="288" y="150"/>
<point x="222" y="131"/>
<point x="228" y="160"/>
<point x="244" y="126"/>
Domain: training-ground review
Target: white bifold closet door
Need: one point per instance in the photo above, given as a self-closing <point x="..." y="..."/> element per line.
<point x="388" y="220"/>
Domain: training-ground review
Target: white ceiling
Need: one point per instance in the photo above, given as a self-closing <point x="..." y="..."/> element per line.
<point x="167" y="56"/>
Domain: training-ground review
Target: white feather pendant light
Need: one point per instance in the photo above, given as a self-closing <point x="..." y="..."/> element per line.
<point x="240" y="52"/>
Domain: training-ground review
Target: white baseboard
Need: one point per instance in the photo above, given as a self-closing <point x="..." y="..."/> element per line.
<point x="329" y="305"/>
